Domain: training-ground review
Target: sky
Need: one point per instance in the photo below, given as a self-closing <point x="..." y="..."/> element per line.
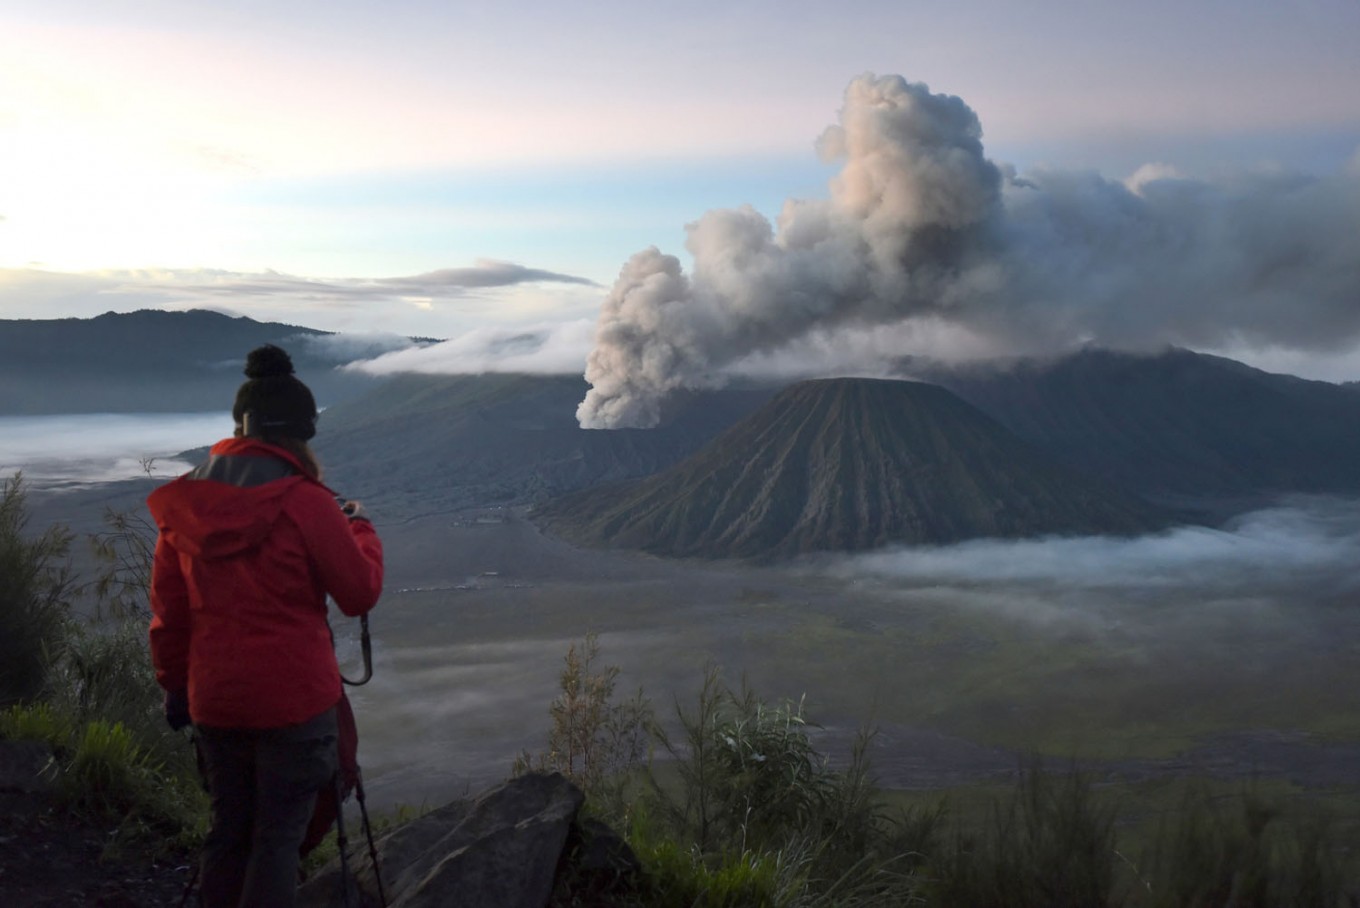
<point x="488" y="170"/>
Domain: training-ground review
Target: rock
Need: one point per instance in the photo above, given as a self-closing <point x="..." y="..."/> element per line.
<point x="598" y="868"/>
<point x="500" y="850"/>
<point x="22" y="765"/>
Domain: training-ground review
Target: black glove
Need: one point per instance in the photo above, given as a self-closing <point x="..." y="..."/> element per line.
<point x="177" y="709"/>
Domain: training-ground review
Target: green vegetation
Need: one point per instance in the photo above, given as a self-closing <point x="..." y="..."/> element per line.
<point x="594" y="741"/>
<point x="85" y="688"/>
<point x="35" y="591"/>
<point x="1251" y="852"/>
<point x="980" y="668"/>
<point x="742" y="810"/>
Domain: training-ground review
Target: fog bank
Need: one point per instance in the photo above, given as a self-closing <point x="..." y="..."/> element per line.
<point x="63" y="451"/>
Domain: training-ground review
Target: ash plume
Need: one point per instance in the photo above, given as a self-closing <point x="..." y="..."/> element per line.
<point x="921" y="230"/>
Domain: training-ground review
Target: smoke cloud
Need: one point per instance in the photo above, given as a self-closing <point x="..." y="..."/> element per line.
<point x="922" y="235"/>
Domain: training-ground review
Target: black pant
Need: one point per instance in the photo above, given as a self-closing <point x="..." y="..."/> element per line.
<point x="263" y="784"/>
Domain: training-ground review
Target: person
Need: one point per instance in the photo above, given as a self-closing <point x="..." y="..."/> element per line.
<point x="250" y="545"/>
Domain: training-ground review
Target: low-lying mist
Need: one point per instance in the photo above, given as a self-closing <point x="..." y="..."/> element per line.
<point x="77" y="450"/>
<point x="1229" y="651"/>
<point x="1310" y="541"/>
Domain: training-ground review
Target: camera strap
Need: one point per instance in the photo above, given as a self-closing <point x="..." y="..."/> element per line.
<point x="366" y="650"/>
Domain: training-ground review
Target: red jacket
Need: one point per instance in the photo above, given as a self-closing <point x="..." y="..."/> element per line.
<point x="249" y="548"/>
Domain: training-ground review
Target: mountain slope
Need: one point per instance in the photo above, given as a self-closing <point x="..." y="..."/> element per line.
<point x="150" y="361"/>
<point x="846" y="464"/>
<point x="425" y="443"/>
<point x="1175" y="425"/>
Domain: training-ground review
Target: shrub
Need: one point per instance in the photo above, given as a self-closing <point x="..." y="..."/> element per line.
<point x="87" y="689"/>
<point x="747" y="770"/>
<point x="105" y="673"/>
<point x="593" y="740"/>
<point x="35" y="585"/>
<point x="36" y="722"/>
<point x="1245" y="853"/>
<point x="1050" y="845"/>
<point x="746" y="812"/>
<point x="748" y="781"/>
<point x="125" y="550"/>
<point x="107" y="772"/>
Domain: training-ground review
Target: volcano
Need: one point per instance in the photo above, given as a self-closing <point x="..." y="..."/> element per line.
<point x="850" y="464"/>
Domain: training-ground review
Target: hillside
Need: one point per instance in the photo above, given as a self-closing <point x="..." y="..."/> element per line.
<point x="1178" y="425"/>
<point x="423" y="443"/>
<point x="150" y="361"/>
<point x="1180" y="428"/>
<point x="847" y="464"/>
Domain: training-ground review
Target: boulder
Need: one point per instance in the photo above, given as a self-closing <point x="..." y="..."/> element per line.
<point x="598" y="868"/>
<point x="24" y="767"/>
<point x="499" y="850"/>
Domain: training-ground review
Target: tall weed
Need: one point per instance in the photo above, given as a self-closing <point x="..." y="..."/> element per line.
<point x="1049" y="845"/>
<point x="746" y="812"/>
<point x="36" y="584"/>
<point x="37" y="722"/>
<point x="681" y="876"/>
<point x="1246" y="853"/>
<point x="124" y="550"/>
<point x="594" y="739"/>
<point x="87" y="689"/>
<point x="105" y="673"/>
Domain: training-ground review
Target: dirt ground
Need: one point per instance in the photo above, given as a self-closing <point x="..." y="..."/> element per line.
<point x="51" y="857"/>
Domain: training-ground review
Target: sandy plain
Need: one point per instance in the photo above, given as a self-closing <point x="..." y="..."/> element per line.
<point x="1228" y="654"/>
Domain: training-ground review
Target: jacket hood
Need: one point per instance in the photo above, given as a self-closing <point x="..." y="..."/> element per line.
<point x="228" y="504"/>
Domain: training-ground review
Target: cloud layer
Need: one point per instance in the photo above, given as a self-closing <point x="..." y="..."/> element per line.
<point x="438" y="302"/>
<point x="922" y="233"/>
<point x="1304" y="539"/>
<point x="543" y="349"/>
<point x="59" y="451"/>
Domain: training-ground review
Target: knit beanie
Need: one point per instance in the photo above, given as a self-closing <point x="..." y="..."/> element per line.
<point x="272" y="401"/>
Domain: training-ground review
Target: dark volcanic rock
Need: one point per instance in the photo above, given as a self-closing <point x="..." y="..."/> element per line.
<point x="598" y="868"/>
<point x="22" y="765"/>
<point x="847" y="464"/>
<point x="500" y="850"/>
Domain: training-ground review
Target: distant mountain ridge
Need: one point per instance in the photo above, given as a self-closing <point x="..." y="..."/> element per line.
<point x="1179" y="429"/>
<point x="430" y="443"/>
<point x="1175" y="425"/>
<point x="151" y="361"/>
<point x="844" y="465"/>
